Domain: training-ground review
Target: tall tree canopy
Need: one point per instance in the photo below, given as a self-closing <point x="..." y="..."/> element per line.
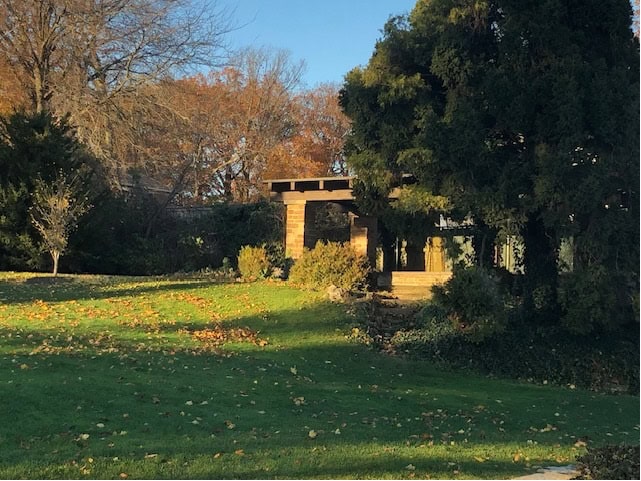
<point x="92" y="59"/>
<point x="524" y="113"/>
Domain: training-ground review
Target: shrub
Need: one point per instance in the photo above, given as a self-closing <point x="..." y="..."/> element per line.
<point x="279" y="263"/>
<point x="474" y="301"/>
<point x="610" y="462"/>
<point x="253" y="263"/>
<point x="607" y="363"/>
<point x="592" y="298"/>
<point x="330" y="263"/>
<point x="435" y="338"/>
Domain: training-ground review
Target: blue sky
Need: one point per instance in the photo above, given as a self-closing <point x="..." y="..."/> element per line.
<point x="331" y="36"/>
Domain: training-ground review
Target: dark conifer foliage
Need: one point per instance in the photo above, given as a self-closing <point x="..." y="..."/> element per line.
<point x="524" y="113"/>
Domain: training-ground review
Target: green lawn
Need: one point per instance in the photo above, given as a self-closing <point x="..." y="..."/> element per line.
<point x="117" y="377"/>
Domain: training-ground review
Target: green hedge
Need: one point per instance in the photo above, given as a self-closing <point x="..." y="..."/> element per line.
<point x="606" y="362"/>
<point x="113" y="237"/>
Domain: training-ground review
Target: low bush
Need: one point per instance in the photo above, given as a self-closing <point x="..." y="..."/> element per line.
<point x="279" y="263"/>
<point x="474" y="301"/>
<point x="253" y="263"/>
<point x="607" y="362"/>
<point x="330" y="263"/>
<point x="592" y="298"/>
<point x="609" y="462"/>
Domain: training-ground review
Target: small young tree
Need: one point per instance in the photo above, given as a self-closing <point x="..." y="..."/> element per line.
<point x="55" y="211"/>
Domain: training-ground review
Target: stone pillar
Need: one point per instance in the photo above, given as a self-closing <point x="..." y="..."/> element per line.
<point x="363" y="234"/>
<point x="295" y="228"/>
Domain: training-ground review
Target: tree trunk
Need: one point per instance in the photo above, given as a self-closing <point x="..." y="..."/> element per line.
<point x="38" y="89"/>
<point x="55" y="255"/>
<point x="482" y="241"/>
<point x="540" y="300"/>
<point x="228" y="193"/>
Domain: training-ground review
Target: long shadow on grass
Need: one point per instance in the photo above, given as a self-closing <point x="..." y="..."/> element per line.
<point x="377" y="421"/>
<point x="183" y="401"/>
<point x="66" y="289"/>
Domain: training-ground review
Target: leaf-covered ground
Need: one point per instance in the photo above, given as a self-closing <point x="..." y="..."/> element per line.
<point x="143" y="378"/>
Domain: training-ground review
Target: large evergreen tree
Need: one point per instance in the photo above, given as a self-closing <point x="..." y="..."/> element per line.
<point x="524" y="113"/>
<point x="33" y="147"/>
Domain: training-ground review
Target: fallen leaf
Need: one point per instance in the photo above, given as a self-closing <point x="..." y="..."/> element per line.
<point x="293" y="370"/>
<point x="410" y="467"/>
<point x="239" y="452"/>
<point x="312" y="434"/>
<point x="124" y="475"/>
<point x="217" y="455"/>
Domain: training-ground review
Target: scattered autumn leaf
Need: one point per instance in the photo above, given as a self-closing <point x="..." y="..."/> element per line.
<point x="220" y="334"/>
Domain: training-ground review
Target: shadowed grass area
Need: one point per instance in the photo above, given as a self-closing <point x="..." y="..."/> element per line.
<point x="107" y="377"/>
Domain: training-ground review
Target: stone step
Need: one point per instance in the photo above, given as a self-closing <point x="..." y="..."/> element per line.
<point x="418" y="278"/>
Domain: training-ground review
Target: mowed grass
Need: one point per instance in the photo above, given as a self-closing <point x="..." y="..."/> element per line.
<point x="104" y="377"/>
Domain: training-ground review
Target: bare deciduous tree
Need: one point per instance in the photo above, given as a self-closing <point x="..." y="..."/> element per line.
<point x="55" y="211"/>
<point x="260" y="88"/>
<point x="91" y="58"/>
